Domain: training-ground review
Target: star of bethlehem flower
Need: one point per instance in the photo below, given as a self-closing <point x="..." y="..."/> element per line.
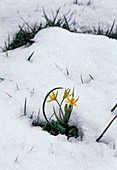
<point x="53" y="96"/>
<point x="72" y="101"/>
<point x="66" y="93"/>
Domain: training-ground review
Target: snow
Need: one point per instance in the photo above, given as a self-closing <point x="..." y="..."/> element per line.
<point x="56" y="51"/>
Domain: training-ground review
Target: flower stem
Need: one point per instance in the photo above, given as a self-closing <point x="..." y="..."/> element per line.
<point x="60" y="109"/>
<point x="43" y="107"/>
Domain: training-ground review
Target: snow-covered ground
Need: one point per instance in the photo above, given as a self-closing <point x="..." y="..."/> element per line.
<point x="55" y="51"/>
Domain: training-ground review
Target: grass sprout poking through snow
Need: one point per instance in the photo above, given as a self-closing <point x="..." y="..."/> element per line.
<point x="56" y="20"/>
<point x="30" y="56"/>
<point x="109" y="32"/>
<point x="25" y="106"/>
<point x="60" y="123"/>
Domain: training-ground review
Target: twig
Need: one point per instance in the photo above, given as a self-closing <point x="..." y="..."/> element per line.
<point x="114" y="107"/>
<point x="98" y="139"/>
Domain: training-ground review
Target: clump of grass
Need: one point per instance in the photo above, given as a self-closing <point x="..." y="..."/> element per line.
<point x="27" y="32"/>
<point x="22" y="37"/>
<point x="109" y="32"/>
<point x="55" y="20"/>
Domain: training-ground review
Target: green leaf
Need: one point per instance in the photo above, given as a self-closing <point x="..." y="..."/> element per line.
<point x="68" y="110"/>
<point x="55" y="114"/>
<point x="61" y="129"/>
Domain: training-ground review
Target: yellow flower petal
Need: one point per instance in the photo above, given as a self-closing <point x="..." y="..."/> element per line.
<point x="72" y="101"/>
<point x="53" y="96"/>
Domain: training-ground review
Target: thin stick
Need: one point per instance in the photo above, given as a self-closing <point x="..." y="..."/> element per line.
<point x="43" y="106"/>
<point x="114" y="108"/>
<point x="98" y="139"/>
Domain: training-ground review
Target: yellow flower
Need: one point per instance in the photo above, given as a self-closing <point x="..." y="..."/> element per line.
<point x="66" y="93"/>
<point x="72" y="101"/>
<point x="53" y="96"/>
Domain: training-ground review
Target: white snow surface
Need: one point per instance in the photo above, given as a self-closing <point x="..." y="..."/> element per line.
<point x="23" y="147"/>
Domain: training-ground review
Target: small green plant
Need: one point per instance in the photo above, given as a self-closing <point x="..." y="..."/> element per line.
<point x="60" y="123"/>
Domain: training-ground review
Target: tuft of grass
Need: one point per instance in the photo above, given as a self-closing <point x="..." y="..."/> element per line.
<point x="22" y="37"/>
<point x="27" y="32"/>
<point x="56" y="20"/>
<point x="110" y="32"/>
